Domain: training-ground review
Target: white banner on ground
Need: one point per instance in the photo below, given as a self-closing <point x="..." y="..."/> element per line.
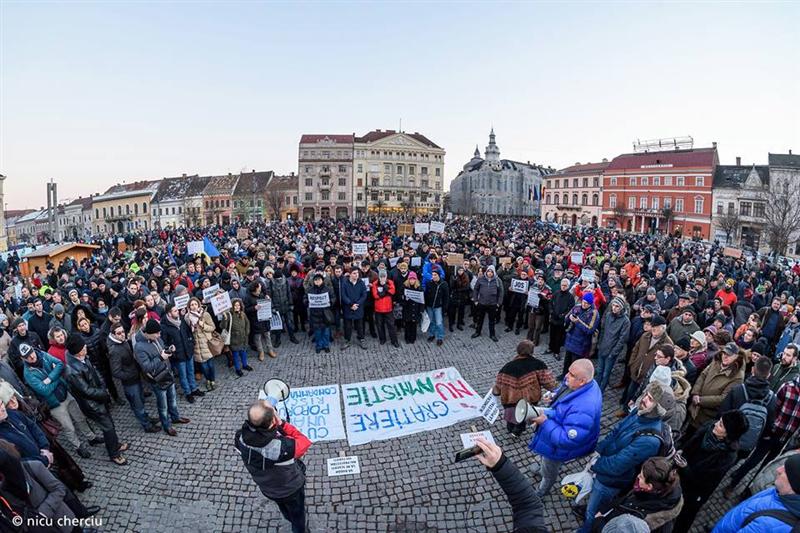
<point x="315" y="411"/>
<point x="404" y="405"/>
<point x="318" y="301"/>
<point x="415" y="296"/>
<point x="437" y="227"/>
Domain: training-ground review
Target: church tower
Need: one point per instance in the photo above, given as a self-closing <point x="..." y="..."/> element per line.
<point x="492" y="151"/>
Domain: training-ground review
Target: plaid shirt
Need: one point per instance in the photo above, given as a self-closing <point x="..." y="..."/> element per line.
<point x="787" y="409"/>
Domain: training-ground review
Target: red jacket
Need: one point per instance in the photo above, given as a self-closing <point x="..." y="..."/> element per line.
<point x="58" y="351"/>
<point x="383" y="301"/>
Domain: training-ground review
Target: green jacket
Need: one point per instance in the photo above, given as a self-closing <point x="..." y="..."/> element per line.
<point x="781" y="374"/>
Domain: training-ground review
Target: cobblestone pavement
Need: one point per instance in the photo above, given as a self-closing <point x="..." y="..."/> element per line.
<point x="196" y="482"/>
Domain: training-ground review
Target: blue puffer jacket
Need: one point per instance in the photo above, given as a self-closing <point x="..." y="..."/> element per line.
<point x="622" y="452"/>
<point x="579" y="336"/>
<point x="765" y="500"/>
<point x="573" y="427"/>
<point x="56" y="391"/>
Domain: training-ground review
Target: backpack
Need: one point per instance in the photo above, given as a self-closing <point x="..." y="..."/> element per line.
<point x="756" y="413"/>
<point x="666" y="448"/>
<point x="778" y="514"/>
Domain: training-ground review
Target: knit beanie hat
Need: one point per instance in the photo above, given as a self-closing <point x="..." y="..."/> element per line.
<point x="792" y="467"/>
<point x="58" y="309"/>
<point x="626" y="523"/>
<point x="75" y="343"/>
<point x="761" y="347"/>
<point x="662" y="375"/>
<point x="17" y="321"/>
<point x="152" y="327"/>
<point x="735" y="423"/>
<point x="588" y="298"/>
<point x="618" y="301"/>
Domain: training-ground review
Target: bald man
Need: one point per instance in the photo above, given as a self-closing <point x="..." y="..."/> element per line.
<point x="571" y="426"/>
<point x="271" y="449"/>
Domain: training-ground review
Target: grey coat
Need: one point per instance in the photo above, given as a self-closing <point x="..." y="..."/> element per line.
<point x="46" y="492"/>
<point x="488" y="292"/>
<point x="614" y="330"/>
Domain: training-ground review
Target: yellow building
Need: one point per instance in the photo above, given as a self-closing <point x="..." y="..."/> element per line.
<point x="124" y="208"/>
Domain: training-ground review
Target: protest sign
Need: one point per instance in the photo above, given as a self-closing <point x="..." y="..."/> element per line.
<point x="732" y="252"/>
<point x="468" y="440"/>
<point x="421" y="228"/>
<point x="194" y="247"/>
<point x="210" y="292"/>
<point x="359" y="248"/>
<point x="343" y="466"/>
<point x="415" y="296"/>
<point x="405" y="229"/>
<point x="393" y="261"/>
<point x="576" y="258"/>
<point x="275" y="323"/>
<point x="182" y="301"/>
<point x="519" y="285"/>
<point x="365" y="281"/>
<point x="416" y="261"/>
<point x="505" y="260"/>
<point x="264" y="311"/>
<point x="489" y="408"/>
<point x="449" y="216"/>
<point x="242" y="233"/>
<point x="414" y="245"/>
<point x="454" y="259"/>
<point x="588" y="274"/>
<point x="404" y="405"/>
<point x="437" y="227"/>
<point x="220" y="303"/>
<point x="533" y="298"/>
<point x="315" y="411"/>
<point x="318" y="301"/>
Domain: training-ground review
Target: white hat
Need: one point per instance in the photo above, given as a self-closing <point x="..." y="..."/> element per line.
<point x="662" y="375"/>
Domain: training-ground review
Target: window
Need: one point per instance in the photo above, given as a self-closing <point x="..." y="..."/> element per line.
<point x="424" y="171"/>
<point x="127" y="209"/>
<point x="731" y="208"/>
<point x="360" y="168"/>
<point x="585" y="198"/>
<point x="744" y="208"/>
<point x="227" y="203"/>
<point x="342" y="169"/>
<point x="613" y="181"/>
<point x="612" y="201"/>
<point x="631" y="202"/>
<point x="308" y="169"/>
<point x="643" y="202"/>
<point x="585" y="182"/>
<point x="374" y="182"/>
<point x="180" y="210"/>
<point x="326" y="154"/>
<point x="699" y="181"/>
<point x="374" y="196"/>
<point x="595" y="181"/>
<point x="309" y="182"/>
<point x="655" y="203"/>
<point x="326" y="168"/>
<point x="386" y="196"/>
<point x="678" y="205"/>
<point x="668" y="181"/>
<point x="387" y="168"/>
<point x="259" y="203"/>
<point x="325" y="196"/>
<point x="556" y="197"/>
<point x="400" y="169"/>
<point x="574" y="199"/>
<point x="595" y="199"/>
<point x="309" y="196"/>
<point x="135" y="209"/>
<point x="633" y="181"/>
<point x="342" y="195"/>
<point x="565" y="199"/>
<point x="575" y="183"/>
<point x="680" y="181"/>
<point x="360" y="197"/>
<point x="758" y="210"/>
<point x="719" y="208"/>
<point x="698" y="205"/>
<point x="97" y="213"/>
<point x="342" y="182"/>
<point x="548" y="184"/>
<point x="412" y="169"/>
<point x="438" y="174"/>
<point x="558" y="184"/>
<point x="645" y="181"/>
<point x="547" y="198"/>
<point x="173" y="210"/>
<point x="656" y="181"/>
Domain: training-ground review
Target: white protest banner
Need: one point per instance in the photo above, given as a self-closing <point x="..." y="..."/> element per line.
<point x="318" y="301"/>
<point x="359" y="248"/>
<point x="489" y="408"/>
<point x="421" y="228"/>
<point x="576" y="258"/>
<point x="416" y="261"/>
<point x="315" y="411"/>
<point x="519" y="285"/>
<point x="343" y="466"/>
<point x="533" y="298"/>
<point x="194" y="247"/>
<point x="449" y="216"/>
<point x="365" y="281"/>
<point x="220" y="303"/>
<point x="275" y="323"/>
<point x="393" y="261"/>
<point x="415" y="296"/>
<point x="404" y="405"/>
<point x="414" y="245"/>
<point x="437" y="227"/>
<point x="264" y="311"/>
<point x="182" y="301"/>
<point x="210" y="292"/>
<point x="468" y="440"/>
<point x="588" y="274"/>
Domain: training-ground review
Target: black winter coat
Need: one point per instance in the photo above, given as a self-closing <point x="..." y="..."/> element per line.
<point x="437" y="294"/>
<point x="560" y="306"/>
<point x="256" y="326"/>
<point x="180" y="337"/>
<point x="705" y="468"/>
<point x="87" y="387"/>
<point x="526" y="507"/>
<point x="123" y="365"/>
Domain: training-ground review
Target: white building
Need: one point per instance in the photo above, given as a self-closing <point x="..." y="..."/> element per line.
<point x="739" y="192"/>
<point x="75" y="220"/>
<point x="170" y="201"/>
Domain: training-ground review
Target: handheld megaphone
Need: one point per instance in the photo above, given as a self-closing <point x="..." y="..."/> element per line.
<point x="525" y="412"/>
<point x="278" y="389"/>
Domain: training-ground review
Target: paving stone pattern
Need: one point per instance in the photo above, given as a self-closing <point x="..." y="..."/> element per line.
<point x="196" y="483"/>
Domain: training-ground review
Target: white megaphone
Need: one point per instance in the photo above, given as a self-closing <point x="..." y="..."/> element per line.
<point x="525" y="412"/>
<point x="278" y="389"/>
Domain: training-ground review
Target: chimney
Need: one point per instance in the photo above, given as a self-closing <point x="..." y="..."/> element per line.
<point x="253" y="171"/>
<point x="790" y="151"/>
<point x="738" y="161"/>
<point x="577" y="163"/>
<point x="184" y="175"/>
<point x="714" y="145"/>
<point x="605" y="160"/>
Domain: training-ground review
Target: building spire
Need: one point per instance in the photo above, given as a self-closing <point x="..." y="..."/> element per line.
<point x="477" y="153"/>
<point x="492" y="151"/>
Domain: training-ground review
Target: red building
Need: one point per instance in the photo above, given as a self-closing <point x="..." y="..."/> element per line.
<point x="665" y="192"/>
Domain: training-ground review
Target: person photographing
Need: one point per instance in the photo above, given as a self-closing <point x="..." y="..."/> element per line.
<point x="271" y="449"/>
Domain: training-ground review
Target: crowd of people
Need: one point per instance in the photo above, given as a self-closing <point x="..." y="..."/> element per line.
<point x="707" y="346"/>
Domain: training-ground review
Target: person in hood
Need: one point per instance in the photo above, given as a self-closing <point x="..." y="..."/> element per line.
<point x="786" y="369"/>
<point x="582" y="322"/>
<point x="271" y="450"/>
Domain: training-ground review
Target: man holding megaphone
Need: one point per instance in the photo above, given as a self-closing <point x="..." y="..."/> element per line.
<point x="569" y="429"/>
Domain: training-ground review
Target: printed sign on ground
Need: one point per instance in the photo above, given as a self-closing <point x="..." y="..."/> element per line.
<point x="519" y="285"/>
<point x="343" y="466"/>
<point x="404" y="405"/>
<point x="315" y="411"/>
<point x="318" y="301"/>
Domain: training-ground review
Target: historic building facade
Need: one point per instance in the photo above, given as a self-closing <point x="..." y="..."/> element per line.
<point x="325" y="170"/>
<point x="574" y="195"/>
<point x="495" y="186"/>
<point x="397" y="172"/>
<point x="124" y="207"/>
<point x="663" y="191"/>
<point x="739" y="203"/>
<point x="217" y="199"/>
<point x="282" y="197"/>
<point x="249" y="197"/>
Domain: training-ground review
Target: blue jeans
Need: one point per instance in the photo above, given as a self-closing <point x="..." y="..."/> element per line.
<point x="185" y="375"/>
<point x="436" y="328"/>
<point x="603" y="373"/>
<point x="135" y="397"/>
<point x="239" y="358"/>
<point x="599" y="499"/>
<point x="167" y="405"/>
<point x="209" y="371"/>
<point x="322" y="338"/>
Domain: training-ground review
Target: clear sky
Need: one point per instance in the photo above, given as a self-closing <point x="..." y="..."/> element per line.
<point x="95" y="93"/>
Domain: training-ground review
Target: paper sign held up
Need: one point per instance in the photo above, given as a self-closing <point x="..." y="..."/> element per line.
<point x="489" y="408"/>
<point x="421" y="228"/>
<point x="194" y="247"/>
<point x="210" y="292"/>
<point x="182" y="301"/>
<point x="588" y="274"/>
<point x="221" y="303"/>
<point x="275" y="323"/>
<point x="264" y="311"/>
<point x="505" y="260"/>
<point x="405" y="229"/>
<point x="343" y="466"/>
<point x="242" y="233"/>
<point x="468" y="439"/>
<point x="359" y="248"/>
<point x="416" y="261"/>
<point x="576" y="258"/>
<point x="318" y="301"/>
<point x="519" y="285"/>
<point x="533" y="298"/>
<point x="415" y="296"/>
<point x="437" y="227"/>
<point x="732" y="252"/>
<point x="454" y="259"/>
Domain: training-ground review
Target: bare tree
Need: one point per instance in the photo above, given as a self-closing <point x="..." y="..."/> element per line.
<point x="619" y="213"/>
<point x="730" y="224"/>
<point x="379" y="204"/>
<point x="275" y="201"/>
<point x="668" y="215"/>
<point x="782" y="215"/>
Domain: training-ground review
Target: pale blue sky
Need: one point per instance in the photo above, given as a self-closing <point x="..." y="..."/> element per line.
<point x="96" y="93"/>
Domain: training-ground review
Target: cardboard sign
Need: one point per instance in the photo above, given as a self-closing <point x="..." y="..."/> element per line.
<point x="533" y="298"/>
<point x="505" y="260"/>
<point x="415" y="296"/>
<point x="182" y="301"/>
<point x="242" y="233"/>
<point x="221" y="303"/>
<point x="732" y="252"/>
<point x="416" y="261"/>
<point x="421" y="228"/>
<point x="275" y="323"/>
<point x="468" y="439"/>
<point x="194" y="247"/>
<point x="453" y="259"/>
<point x="359" y="248"/>
<point x="489" y="408"/>
<point x="576" y="258"/>
<point x="318" y="301"/>
<point x="210" y="292"/>
<point x="264" y="311"/>
<point x="405" y="229"/>
<point x="519" y="285"/>
<point x="343" y="466"/>
<point x="437" y="227"/>
<point x="588" y="274"/>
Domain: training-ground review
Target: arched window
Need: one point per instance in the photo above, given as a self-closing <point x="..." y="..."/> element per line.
<point x="547" y="198"/>
<point x="612" y="201"/>
<point x="595" y="199"/>
<point x="574" y="199"/>
<point x="556" y="197"/>
<point x="584" y="199"/>
<point x="565" y="199"/>
<point x="698" y="205"/>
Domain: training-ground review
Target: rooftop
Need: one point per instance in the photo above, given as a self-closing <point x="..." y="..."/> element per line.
<point x="54" y="249"/>
<point x="789" y="160"/>
<point x="173" y="188"/>
<point x="695" y="158"/>
<point x="124" y="190"/>
<point x="221" y="184"/>
<point x="734" y="176"/>
<point x="326" y="137"/>
<point x="252" y="181"/>
<point x="580" y="169"/>
<point x="377" y="135"/>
